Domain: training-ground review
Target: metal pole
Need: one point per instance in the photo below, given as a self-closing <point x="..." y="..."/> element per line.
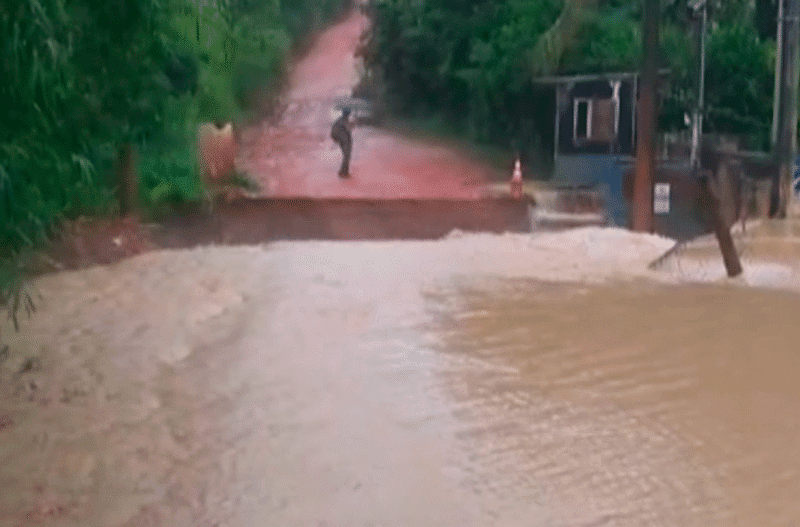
<point x="642" y="219"/>
<point x="556" y="142"/>
<point x="634" y="111"/>
<point x="697" y="124"/>
<point x="702" y="102"/>
<point x="787" y="140"/>
<point x="792" y="100"/>
<point x="776" y="103"/>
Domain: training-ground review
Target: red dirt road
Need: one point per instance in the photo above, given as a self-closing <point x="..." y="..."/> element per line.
<point x="297" y="158"/>
<point x="400" y="188"/>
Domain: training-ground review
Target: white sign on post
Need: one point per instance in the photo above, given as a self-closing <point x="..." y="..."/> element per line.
<point x="661" y="198"/>
<point x="796" y="179"/>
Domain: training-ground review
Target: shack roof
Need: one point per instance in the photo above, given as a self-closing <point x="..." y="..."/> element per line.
<point x="563" y="79"/>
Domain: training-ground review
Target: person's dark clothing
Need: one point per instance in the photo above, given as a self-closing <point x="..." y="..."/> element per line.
<point x="340" y="132"/>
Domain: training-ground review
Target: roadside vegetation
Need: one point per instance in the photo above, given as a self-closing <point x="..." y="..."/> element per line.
<point x="468" y="65"/>
<point x="83" y="80"/>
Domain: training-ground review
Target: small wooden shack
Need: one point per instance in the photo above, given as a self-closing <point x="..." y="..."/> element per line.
<point x="594" y="146"/>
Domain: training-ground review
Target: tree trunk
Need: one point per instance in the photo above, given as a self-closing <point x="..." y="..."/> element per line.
<point x="128" y="181"/>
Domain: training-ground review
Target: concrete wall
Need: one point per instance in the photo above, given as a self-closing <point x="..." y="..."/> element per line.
<point x="253" y="221"/>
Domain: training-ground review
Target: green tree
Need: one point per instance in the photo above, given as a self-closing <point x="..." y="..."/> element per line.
<point x="81" y="78"/>
<point x="740" y="77"/>
<point x="469" y="61"/>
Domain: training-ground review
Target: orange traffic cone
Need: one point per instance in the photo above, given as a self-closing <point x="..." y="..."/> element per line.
<point x="516" y="181"/>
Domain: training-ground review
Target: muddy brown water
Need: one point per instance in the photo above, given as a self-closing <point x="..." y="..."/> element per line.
<point x="471" y="381"/>
<point x="630" y="405"/>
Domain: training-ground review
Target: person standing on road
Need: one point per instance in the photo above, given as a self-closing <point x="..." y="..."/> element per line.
<point x="341" y="133"/>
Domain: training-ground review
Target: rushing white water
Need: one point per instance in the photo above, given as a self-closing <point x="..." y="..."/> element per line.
<point x="534" y="380"/>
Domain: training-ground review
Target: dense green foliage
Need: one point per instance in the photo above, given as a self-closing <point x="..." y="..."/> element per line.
<point x="741" y="80"/>
<point x="466" y="60"/>
<point x="470" y="62"/>
<point x="82" y="77"/>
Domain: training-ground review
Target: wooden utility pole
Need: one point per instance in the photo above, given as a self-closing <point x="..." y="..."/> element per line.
<point x="786" y="141"/>
<point x="642" y="213"/>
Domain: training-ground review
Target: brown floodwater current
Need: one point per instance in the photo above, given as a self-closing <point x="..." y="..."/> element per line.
<point x="627" y="405"/>
<point x="476" y="381"/>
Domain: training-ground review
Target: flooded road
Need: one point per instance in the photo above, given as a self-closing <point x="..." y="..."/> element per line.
<point x="474" y="381"/>
<point x="630" y="405"/>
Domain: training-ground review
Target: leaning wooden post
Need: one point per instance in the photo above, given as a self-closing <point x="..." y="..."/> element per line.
<point x="729" y="256"/>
